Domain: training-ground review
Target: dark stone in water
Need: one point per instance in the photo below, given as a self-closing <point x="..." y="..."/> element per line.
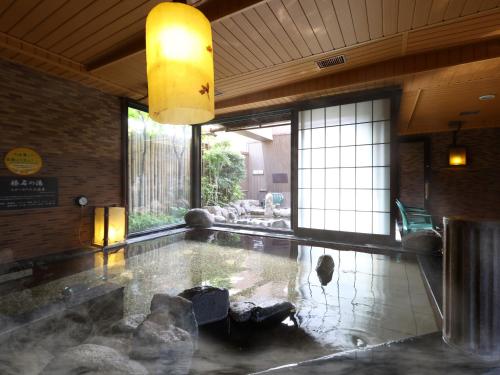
<point x="427" y="241"/>
<point x="272" y="314"/>
<point x="199" y="217"/>
<point x="210" y="304"/>
<point x="167" y="309"/>
<point x="163" y="350"/>
<point x="249" y="312"/>
<point x="93" y="359"/>
<point x="241" y="312"/>
<point x="324" y="269"/>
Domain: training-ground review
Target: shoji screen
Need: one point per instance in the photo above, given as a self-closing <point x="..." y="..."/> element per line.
<point x="344" y="168"/>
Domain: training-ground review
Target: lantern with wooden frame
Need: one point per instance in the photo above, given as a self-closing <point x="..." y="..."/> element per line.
<point x="109" y="226"/>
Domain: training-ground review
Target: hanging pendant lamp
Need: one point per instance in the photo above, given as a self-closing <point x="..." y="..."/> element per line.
<point x="180" y="65"/>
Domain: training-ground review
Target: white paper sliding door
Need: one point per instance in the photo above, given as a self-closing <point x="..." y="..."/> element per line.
<point x="344" y="168"/>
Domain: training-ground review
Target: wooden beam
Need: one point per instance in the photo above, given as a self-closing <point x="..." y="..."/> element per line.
<point x="382" y="71"/>
<point x="212" y="9"/>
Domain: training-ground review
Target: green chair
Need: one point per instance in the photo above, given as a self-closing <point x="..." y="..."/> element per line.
<point x="414" y="219"/>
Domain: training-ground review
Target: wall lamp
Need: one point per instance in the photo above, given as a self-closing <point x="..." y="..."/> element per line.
<point x="457" y="154"/>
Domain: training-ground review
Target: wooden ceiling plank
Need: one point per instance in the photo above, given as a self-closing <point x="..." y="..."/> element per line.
<point x="258" y="40"/>
<point x="54" y="21"/>
<point x="422" y="12"/>
<point x="360" y="20"/>
<point x="489" y="4"/>
<point x="305" y="29"/>
<point x="234" y="44"/>
<point x="316" y="21"/>
<point x="5" y="5"/>
<point x="233" y="64"/>
<point x="374" y="10"/>
<point x="256" y="21"/>
<point x="405" y="14"/>
<point x="234" y="56"/>
<point x="438" y="10"/>
<point x="16" y="13"/>
<point x="267" y="16"/>
<point x="288" y="25"/>
<point x="454" y="9"/>
<point x="401" y="66"/>
<point x="244" y="39"/>
<point x="112" y="20"/>
<point x="229" y="62"/>
<point x="331" y="23"/>
<point x="35" y="17"/>
<point x="471" y="7"/>
<point x="75" y="23"/>
<point x="345" y="21"/>
<point x="98" y="44"/>
<point x="390" y="16"/>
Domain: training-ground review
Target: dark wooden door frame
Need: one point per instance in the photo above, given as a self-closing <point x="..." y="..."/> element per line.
<point x="427" y="163"/>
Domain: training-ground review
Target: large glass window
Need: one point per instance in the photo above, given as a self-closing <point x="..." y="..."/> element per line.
<point x="158" y="172"/>
<point x="344" y="168"/>
<point x="246" y="174"/>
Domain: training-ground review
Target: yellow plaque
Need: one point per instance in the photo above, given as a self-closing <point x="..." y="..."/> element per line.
<point x="23" y="161"/>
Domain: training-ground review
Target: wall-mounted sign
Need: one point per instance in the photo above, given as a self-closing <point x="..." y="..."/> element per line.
<point x="23" y="161"/>
<point x="280" y="178"/>
<point x="257" y="172"/>
<point x="27" y="192"/>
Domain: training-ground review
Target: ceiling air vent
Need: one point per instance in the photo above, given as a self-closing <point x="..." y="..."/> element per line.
<point x="331" y="61"/>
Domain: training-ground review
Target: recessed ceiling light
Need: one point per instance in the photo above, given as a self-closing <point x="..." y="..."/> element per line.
<point x="487" y="97"/>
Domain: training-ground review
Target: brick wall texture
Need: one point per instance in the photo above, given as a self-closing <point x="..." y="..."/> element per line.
<point x="472" y="191"/>
<point x="77" y="132"/>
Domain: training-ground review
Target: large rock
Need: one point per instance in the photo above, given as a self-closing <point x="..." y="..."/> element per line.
<point x="175" y="310"/>
<point x="272" y="313"/>
<point x="214" y="210"/>
<point x="120" y="343"/>
<point x="200" y="218"/>
<point x="280" y="224"/>
<point x="29" y="361"/>
<point x="427" y="241"/>
<point x="128" y="324"/>
<point x="95" y="360"/>
<point x="163" y="350"/>
<point x="219" y="219"/>
<point x="324" y="269"/>
<point x="268" y="314"/>
<point x="210" y="304"/>
<point x="241" y="312"/>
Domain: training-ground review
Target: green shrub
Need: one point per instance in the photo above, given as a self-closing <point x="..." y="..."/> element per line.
<point x="223" y="172"/>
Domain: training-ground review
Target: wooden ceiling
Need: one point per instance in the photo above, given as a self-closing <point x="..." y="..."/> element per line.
<point x="266" y="46"/>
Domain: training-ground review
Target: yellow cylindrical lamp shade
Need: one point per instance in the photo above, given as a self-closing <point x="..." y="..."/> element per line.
<point x="109" y="225"/>
<point x="458" y="156"/>
<point x="180" y="65"/>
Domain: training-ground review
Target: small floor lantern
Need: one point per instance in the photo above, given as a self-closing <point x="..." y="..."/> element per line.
<point x="109" y="226"/>
<point x="180" y="65"/>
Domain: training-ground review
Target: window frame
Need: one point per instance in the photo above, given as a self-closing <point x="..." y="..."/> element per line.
<point x="392" y="93"/>
<point x="127" y="103"/>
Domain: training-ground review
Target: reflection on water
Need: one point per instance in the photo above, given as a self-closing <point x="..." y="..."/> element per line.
<point x="371" y="298"/>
